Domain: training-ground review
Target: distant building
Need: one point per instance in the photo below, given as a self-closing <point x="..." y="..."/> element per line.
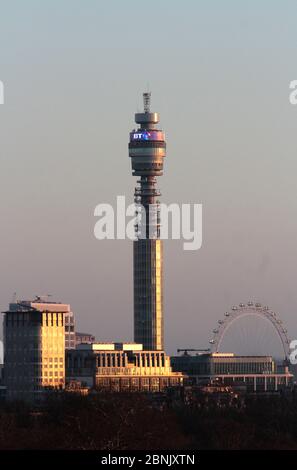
<point x="257" y="373"/>
<point x="34" y="349"/>
<point x="84" y="338"/>
<point x="120" y="367"/>
<point x="70" y="335"/>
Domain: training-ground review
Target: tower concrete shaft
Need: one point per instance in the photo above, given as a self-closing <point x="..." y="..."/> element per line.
<point x="147" y="149"/>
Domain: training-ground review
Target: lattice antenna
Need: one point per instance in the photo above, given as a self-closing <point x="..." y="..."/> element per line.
<point x="147" y="102"/>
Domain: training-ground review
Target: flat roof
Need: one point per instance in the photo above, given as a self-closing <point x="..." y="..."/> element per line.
<point x="110" y="346"/>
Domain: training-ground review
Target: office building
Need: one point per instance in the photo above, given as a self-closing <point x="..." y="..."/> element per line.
<point x="257" y="373"/>
<point x="120" y="367"/>
<point x="34" y="349"/>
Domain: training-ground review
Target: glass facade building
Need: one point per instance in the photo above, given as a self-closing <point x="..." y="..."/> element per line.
<point x="148" y="294"/>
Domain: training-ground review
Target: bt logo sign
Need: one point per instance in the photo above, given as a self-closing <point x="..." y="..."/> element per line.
<point x="141" y="136"/>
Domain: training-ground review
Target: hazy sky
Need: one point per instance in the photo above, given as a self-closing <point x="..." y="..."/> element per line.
<point x="219" y="72"/>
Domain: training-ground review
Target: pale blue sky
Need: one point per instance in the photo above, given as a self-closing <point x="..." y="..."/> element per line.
<point x="219" y="72"/>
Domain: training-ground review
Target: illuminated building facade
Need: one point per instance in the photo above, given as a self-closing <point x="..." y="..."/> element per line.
<point x="120" y="367"/>
<point x="147" y="149"/>
<point x="34" y="349"/>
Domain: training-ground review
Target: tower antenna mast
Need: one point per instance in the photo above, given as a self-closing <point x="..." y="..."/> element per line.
<point x="147" y="101"/>
<point x="147" y="150"/>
